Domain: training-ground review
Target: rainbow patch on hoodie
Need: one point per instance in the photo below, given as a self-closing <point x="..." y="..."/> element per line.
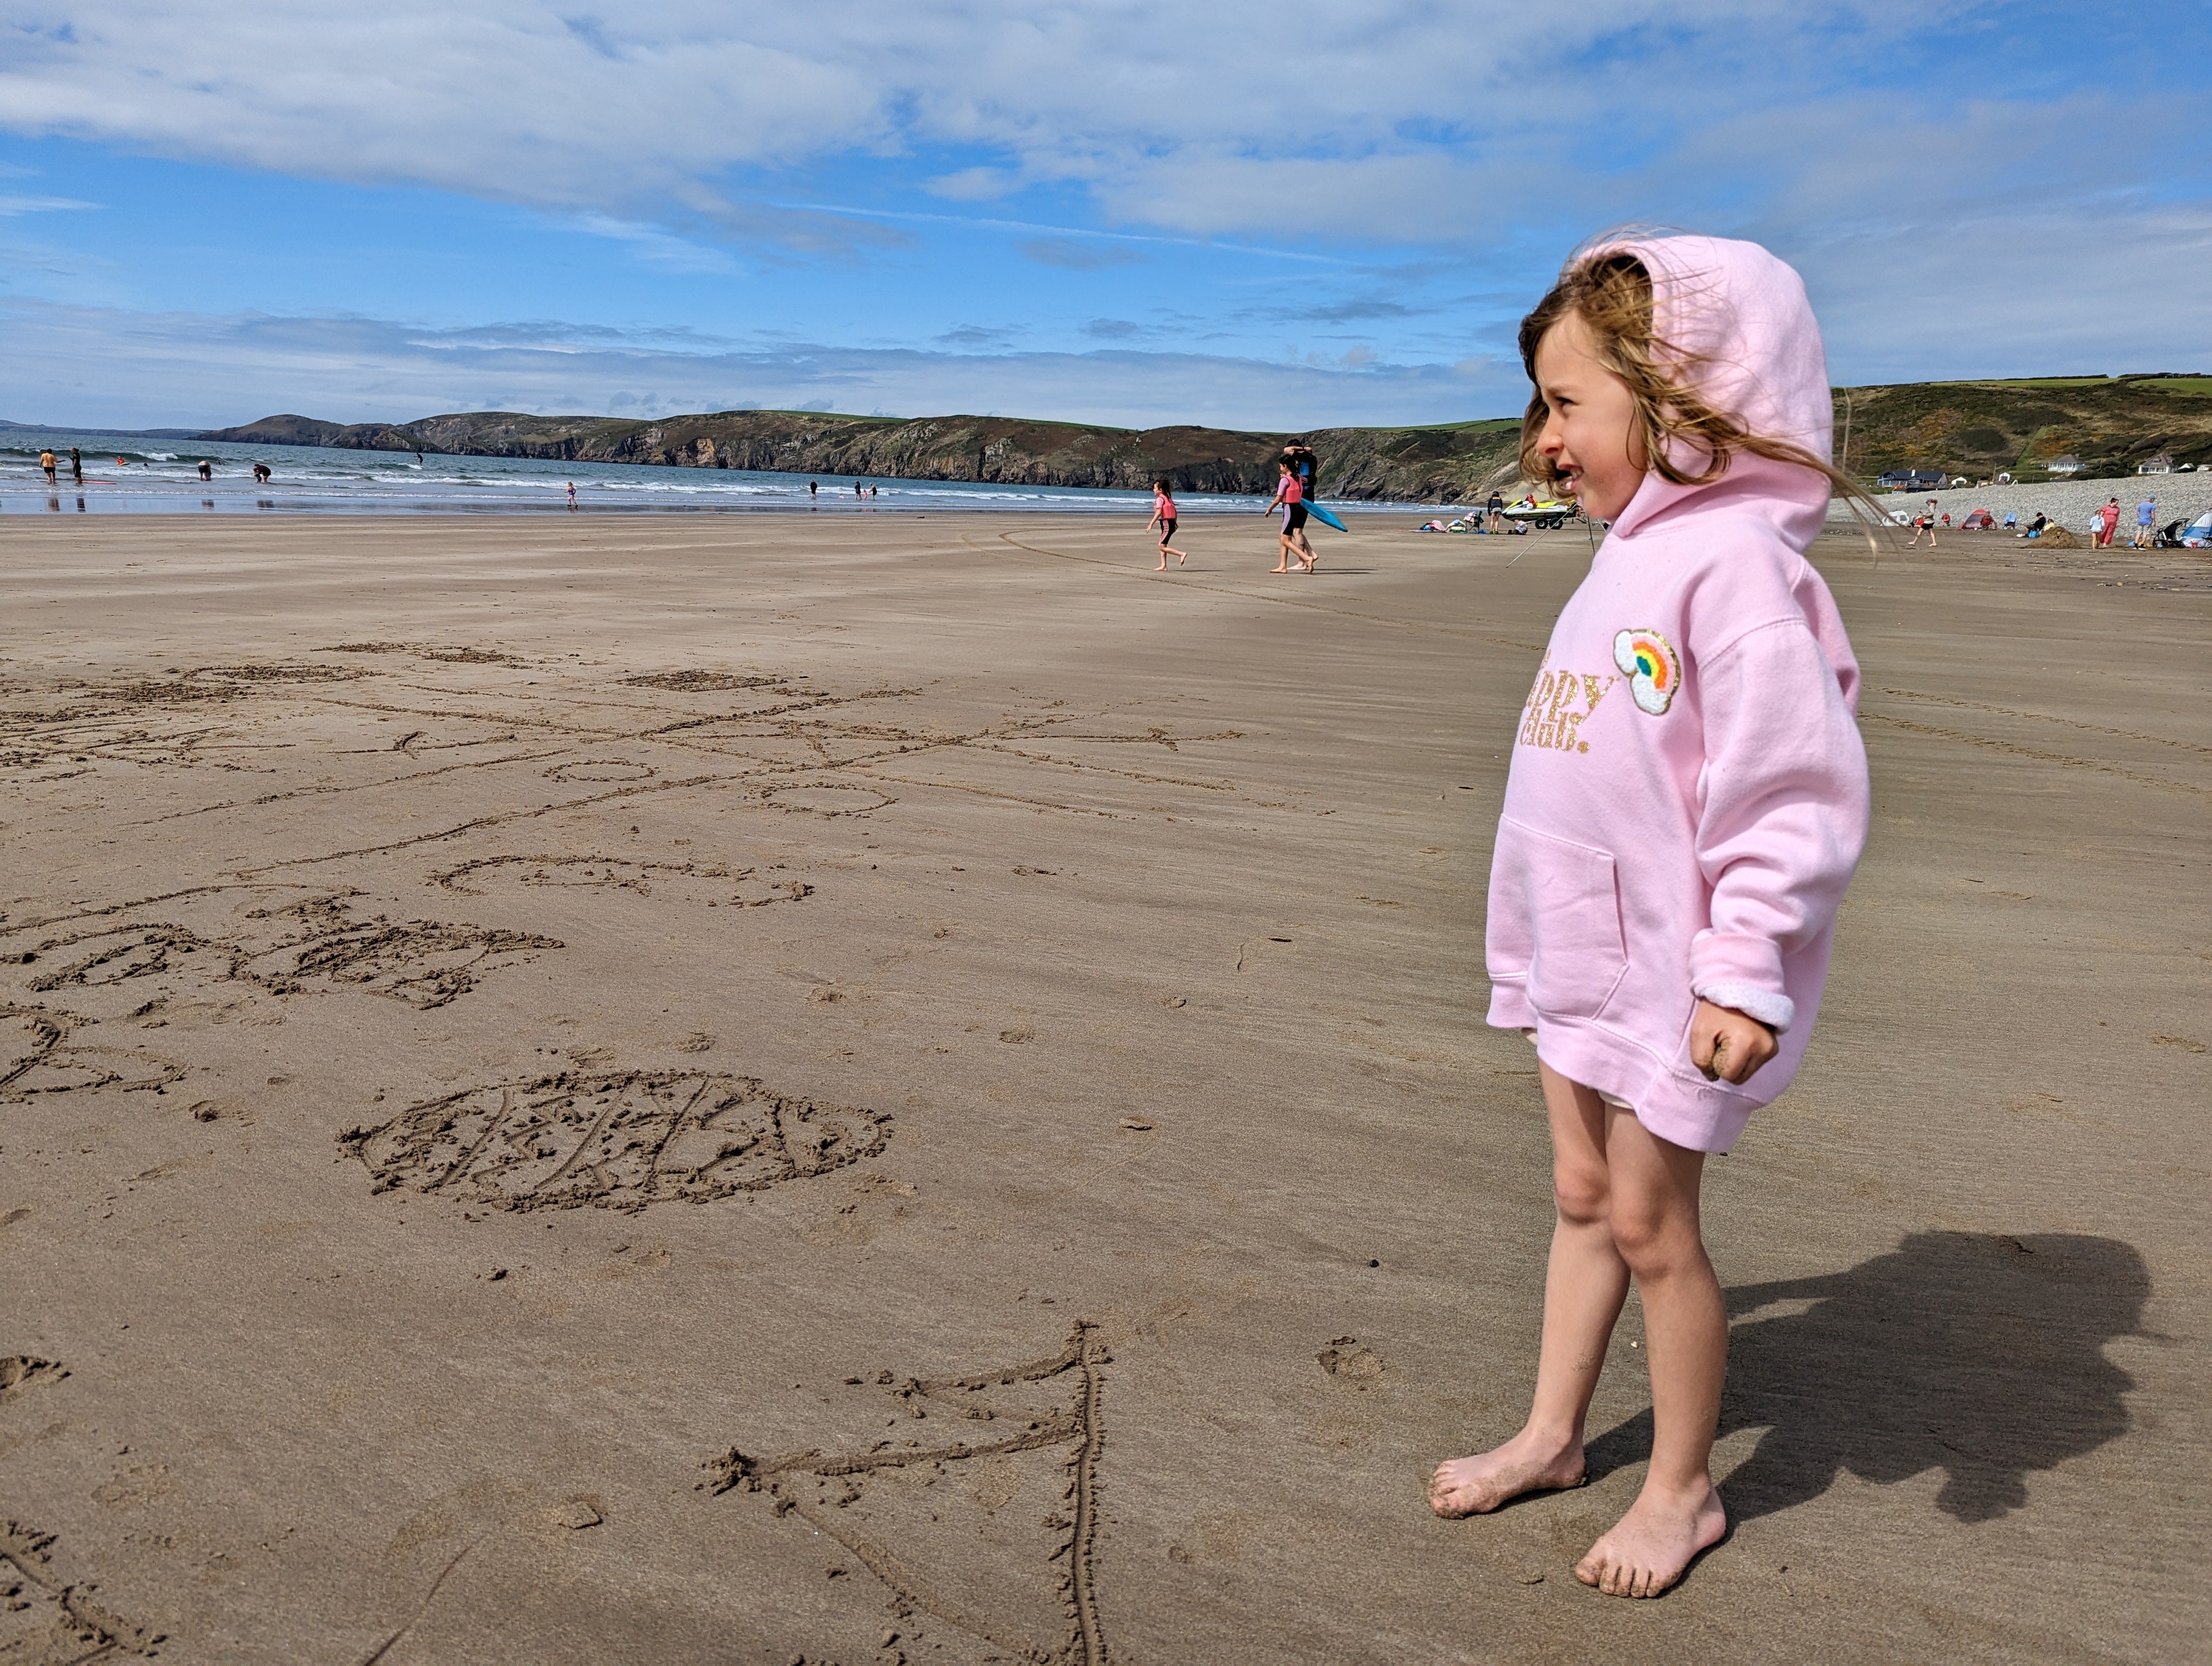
<point x="1648" y="660"/>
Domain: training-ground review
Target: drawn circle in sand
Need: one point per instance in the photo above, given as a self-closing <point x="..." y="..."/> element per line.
<point x="828" y="799"/>
<point x="618" y="1139"/>
<point x="601" y="769"/>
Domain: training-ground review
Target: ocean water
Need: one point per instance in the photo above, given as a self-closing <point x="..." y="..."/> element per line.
<point x="124" y="475"/>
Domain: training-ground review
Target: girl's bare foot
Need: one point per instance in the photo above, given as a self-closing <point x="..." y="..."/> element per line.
<point x="1526" y="1463"/>
<point x="1652" y="1547"/>
<point x="1278" y="569"/>
<point x="1181" y="559"/>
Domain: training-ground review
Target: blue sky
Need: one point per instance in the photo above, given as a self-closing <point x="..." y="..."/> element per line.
<point x="1266" y="216"/>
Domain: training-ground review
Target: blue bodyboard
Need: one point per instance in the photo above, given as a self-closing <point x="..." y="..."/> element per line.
<point x="1325" y="517"/>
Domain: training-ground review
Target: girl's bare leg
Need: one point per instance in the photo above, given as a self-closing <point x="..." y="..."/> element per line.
<point x="1583" y="1288"/>
<point x="1655" y="1229"/>
<point x="1282" y="556"/>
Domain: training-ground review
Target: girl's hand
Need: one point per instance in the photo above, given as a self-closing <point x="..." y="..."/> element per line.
<point x="1728" y="1045"/>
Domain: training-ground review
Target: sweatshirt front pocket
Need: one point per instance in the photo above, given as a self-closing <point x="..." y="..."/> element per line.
<point x="1567" y="905"/>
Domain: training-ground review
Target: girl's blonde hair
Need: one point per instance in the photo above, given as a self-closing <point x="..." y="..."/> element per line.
<point x="1610" y="291"/>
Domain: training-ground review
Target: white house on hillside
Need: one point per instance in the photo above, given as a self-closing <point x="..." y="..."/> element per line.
<point x="2161" y="464"/>
<point x="2067" y="465"/>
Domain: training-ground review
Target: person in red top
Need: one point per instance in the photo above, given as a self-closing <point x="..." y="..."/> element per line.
<point x="1163" y="516"/>
<point x="1290" y="497"/>
<point x="2107" y="518"/>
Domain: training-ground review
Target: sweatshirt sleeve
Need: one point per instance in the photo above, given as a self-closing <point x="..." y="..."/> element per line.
<point x="1783" y="812"/>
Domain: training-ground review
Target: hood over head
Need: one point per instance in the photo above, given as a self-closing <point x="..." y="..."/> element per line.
<point x="1739" y="320"/>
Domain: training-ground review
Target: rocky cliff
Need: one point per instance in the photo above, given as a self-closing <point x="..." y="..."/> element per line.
<point x="1431" y="465"/>
<point x="1974" y="429"/>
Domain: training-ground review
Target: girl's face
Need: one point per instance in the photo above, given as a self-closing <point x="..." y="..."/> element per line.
<point x="1590" y="436"/>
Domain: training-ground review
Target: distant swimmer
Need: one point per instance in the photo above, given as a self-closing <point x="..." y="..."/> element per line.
<point x="857" y="493"/>
<point x="47" y="462"/>
<point x="261" y="474"/>
<point x="812" y="487"/>
<point x="1164" y="515"/>
<point x="77" y="466"/>
<point x="871" y="492"/>
<point x="207" y="470"/>
<point x="572" y="494"/>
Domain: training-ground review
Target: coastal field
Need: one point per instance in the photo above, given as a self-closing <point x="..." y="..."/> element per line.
<point x="869" y="1090"/>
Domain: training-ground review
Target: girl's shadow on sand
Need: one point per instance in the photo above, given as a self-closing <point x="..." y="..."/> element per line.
<point x="1980" y="1356"/>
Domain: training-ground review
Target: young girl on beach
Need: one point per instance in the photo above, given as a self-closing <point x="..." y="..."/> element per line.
<point x="1163" y="516"/>
<point x="1686" y="802"/>
<point x="1290" y="498"/>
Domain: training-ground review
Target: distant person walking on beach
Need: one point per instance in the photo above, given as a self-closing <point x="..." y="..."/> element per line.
<point x="1306" y="467"/>
<point x="1686" y="802"/>
<point x="2107" y="518"/>
<point x="1163" y="516"/>
<point x="1290" y="498"/>
<point x="2146" y="512"/>
<point x="47" y="462"/>
<point x="1924" y="523"/>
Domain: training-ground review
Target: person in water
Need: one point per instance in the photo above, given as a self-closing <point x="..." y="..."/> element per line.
<point x="77" y="466"/>
<point x="1163" y="517"/>
<point x="1687" y="801"/>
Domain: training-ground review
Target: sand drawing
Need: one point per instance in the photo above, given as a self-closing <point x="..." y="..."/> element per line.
<point x="702" y="682"/>
<point x="39" y="1057"/>
<point x="135" y="718"/>
<point x="865" y="1498"/>
<point x="616" y="1139"/>
<point x="601" y="768"/>
<point x="424" y="963"/>
<point x="451" y="656"/>
<point x="829" y="799"/>
<point x="690" y="882"/>
<point x="45" y="1621"/>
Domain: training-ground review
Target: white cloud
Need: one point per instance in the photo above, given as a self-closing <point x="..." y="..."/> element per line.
<point x="11" y="206"/>
<point x="1204" y="119"/>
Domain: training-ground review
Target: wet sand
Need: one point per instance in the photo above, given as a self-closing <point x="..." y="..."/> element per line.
<point x="749" y="1089"/>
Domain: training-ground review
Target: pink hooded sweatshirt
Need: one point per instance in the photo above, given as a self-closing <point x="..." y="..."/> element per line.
<point x="1688" y="794"/>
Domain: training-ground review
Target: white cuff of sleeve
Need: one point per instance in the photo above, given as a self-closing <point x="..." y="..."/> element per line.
<point x="1772" y="1010"/>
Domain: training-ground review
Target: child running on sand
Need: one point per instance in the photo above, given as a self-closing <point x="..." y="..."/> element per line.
<point x="1163" y="516"/>
<point x="1685" y="805"/>
<point x="1290" y="498"/>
